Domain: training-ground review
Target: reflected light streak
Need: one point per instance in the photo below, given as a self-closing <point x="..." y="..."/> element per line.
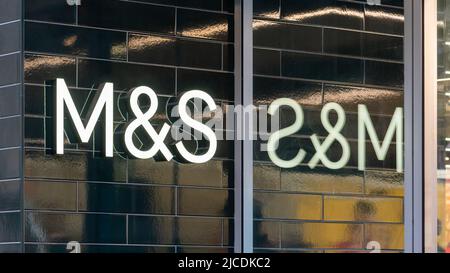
<point x="118" y="50"/>
<point x="386" y="15"/>
<point x="70" y="41"/>
<point x="273" y="15"/>
<point x="301" y="16"/>
<point x="362" y="96"/>
<point x="47" y="62"/>
<point x="257" y="24"/>
<point x="207" y="31"/>
<point x="144" y="42"/>
<point x="314" y="98"/>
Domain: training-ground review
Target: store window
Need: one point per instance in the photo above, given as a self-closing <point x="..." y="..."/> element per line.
<point x="337" y="55"/>
<point x="331" y="72"/>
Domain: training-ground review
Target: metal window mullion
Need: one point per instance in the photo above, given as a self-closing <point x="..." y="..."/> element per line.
<point x="418" y="127"/>
<point x="243" y="226"/>
<point x="414" y="111"/>
<point x="430" y="126"/>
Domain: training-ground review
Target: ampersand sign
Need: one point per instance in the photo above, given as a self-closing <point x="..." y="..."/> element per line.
<point x="142" y="119"/>
<point x="334" y="135"/>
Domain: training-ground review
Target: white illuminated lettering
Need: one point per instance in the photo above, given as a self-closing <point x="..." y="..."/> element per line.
<point x="395" y="127"/>
<point x="208" y="132"/>
<point x="104" y="100"/>
<point x="335" y="135"/>
<point x="142" y="119"/>
<point x="274" y="138"/>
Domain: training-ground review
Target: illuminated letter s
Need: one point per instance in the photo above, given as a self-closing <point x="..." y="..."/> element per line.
<point x="208" y="132"/>
<point x="294" y="128"/>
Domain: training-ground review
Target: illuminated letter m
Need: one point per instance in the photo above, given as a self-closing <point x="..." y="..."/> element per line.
<point x="395" y="127"/>
<point x="104" y="99"/>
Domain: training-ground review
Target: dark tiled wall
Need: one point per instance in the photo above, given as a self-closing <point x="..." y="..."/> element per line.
<point x="124" y="205"/>
<point x="317" y="52"/>
<point x="10" y="126"/>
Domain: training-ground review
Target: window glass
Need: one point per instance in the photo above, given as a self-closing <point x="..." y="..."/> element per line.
<point x="340" y="64"/>
<point x="443" y="87"/>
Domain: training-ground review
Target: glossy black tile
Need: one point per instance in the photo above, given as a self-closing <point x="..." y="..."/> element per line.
<point x="267" y="8"/>
<point x="228" y="5"/>
<point x="34" y="100"/>
<point x="126" y="76"/>
<point x="11" y="10"/>
<point x="10" y="69"/>
<point x="225" y="149"/>
<point x="228" y="58"/>
<point x="266" y="90"/>
<point x="196" y="54"/>
<point x="10" y="103"/>
<point x="208" y="174"/>
<point x="383" y="47"/>
<point x="98" y="197"/>
<point x="10" y="194"/>
<point x="171" y="51"/>
<point x="267" y="62"/>
<point x="270" y="205"/>
<point x="39" y="69"/>
<point x="322" y="180"/>
<point x="384" y="20"/>
<point x="266" y="234"/>
<point x="214" y="202"/>
<point x="170" y="230"/>
<point x="10" y="35"/>
<point x="312" y="235"/>
<point x="326" y="12"/>
<point x="151" y="230"/>
<point x="71" y="40"/>
<point x="398" y="3"/>
<point x="342" y="42"/>
<point x="287" y="36"/>
<point x="10" y="224"/>
<point x="83" y="228"/>
<point x="34" y="132"/>
<point x="266" y="177"/>
<point x="320" y="67"/>
<point x="151" y="172"/>
<point x="50" y="195"/>
<point x="116" y="15"/>
<point x="10" y="162"/>
<point x="199" y="24"/>
<point x="219" y="85"/>
<point x="10" y="132"/>
<point x="38" y="164"/>
<point x="384" y="74"/>
<point x="50" y="11"/>
<point x="377" y="100"/>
